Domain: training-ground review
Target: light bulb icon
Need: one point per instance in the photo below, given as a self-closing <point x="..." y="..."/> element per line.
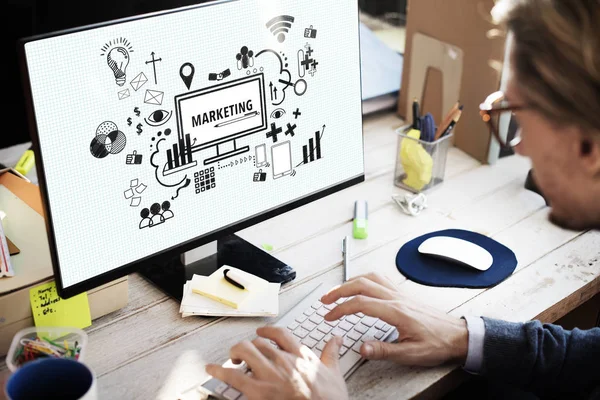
<point x="118" y="59"/>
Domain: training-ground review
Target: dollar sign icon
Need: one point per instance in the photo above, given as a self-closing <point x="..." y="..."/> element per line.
<point x="136" y="111"/>
<point x="129" y="121"/>
<point x="139" y="128"/>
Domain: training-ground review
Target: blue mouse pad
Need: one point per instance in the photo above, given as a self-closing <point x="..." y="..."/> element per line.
<point x="432" y="271"/>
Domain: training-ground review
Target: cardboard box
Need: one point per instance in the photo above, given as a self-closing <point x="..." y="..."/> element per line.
<point x="24" y="225"/>
<point x="464" y="24"/>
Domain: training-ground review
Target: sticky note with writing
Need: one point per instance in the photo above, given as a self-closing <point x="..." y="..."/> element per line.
<point x="49" y="309"/>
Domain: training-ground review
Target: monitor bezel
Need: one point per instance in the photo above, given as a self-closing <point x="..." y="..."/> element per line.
<point x="173" y="251"/>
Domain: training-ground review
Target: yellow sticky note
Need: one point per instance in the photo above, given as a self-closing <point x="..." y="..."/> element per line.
<point x="50" y="310"/>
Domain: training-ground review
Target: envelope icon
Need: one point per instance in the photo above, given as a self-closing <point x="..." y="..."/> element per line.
<point x="153" y="97"/>
<point x="139" y="81"/>
<point x="123" y="94"/>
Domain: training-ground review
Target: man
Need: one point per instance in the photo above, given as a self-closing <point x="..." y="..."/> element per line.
<point x="554" y="93"/>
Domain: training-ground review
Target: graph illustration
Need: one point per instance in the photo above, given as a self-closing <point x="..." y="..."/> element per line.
<point x="312" y="151"/>
<point x="280" y="26"/>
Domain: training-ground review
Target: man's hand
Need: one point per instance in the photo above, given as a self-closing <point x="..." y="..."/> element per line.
<point x="427" y="337"/>
<point x="291" y="371"/>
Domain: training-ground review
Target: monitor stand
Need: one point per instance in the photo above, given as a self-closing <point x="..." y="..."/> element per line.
<point x="171" y="275"/>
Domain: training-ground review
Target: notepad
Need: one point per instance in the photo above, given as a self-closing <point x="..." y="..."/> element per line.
<point x="217" y="288"/>
<point x="262" y="299"/>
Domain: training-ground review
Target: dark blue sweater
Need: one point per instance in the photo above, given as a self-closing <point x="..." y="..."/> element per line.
<point x="544" y="359"/>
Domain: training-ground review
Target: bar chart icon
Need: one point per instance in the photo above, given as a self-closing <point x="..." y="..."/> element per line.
<point x="312" y="151"/>
<point x="179" y="157"/>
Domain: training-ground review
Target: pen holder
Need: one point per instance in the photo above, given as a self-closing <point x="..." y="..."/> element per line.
<point x="420" y="165"/>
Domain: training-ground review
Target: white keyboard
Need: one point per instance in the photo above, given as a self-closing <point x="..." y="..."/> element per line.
<point x="306" y="322"/>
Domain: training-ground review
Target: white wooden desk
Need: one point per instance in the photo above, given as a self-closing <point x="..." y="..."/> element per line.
<point x="147" y="350"/>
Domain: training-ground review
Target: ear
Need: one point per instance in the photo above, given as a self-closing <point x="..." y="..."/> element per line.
<point x="589" y="153"/>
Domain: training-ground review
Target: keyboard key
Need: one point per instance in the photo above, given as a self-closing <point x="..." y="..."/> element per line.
<point x="345" y="326"/>
<point x="386" y="327"/>
<point x="323" y="327"/>
<point x="361" y="328"/>
<point x="357" y="346"/>
<point x="301" y="332"/>
<point x="293" y="326"/>
<point x="322" y="311"/>
<point x="379" y="324"/>
<point x="221" y="388"/>
<point x="368" y="321"/>
<point x="370" y="335"/>
<point x="242" y="397"/>
<point x="317" y="305"/>
<point x="379" y="335"/>
<point x="330" y="306"/>
<point x="353" y="319"/>
<point x="354" y="335"/>
<point x="327" y="338"/>
<point x="348" y="342"/>
<point x="315" y="319"/>
<point x="231" y="394"/>
<point x="309" y="312"/>
<point x="320" y="346"/>
<point x="338" y="332"/>
<point x="317" y="352"/>
<point x="333" y="323"/>
<point x="343" y="350"/>
<point x="309" y="326"/>
<point x="309" y="342"/>
<point x="318" y="335"/>
<point x="301" y="318"/>
<point x="360" y="315"/>
<point x="340" y="300"/>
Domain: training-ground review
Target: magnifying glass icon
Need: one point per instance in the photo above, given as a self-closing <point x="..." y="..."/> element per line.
<point x="299" y="87"/>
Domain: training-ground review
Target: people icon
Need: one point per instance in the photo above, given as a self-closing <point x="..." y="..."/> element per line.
<point x="145" y="222"/>
<point x="245" y="58"/>
<point x="160" y="213"/>
<point x="157" y="217"/>
<point x="166" y="212"/>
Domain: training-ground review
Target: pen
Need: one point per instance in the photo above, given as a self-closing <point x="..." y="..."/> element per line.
<point x="416" y="114"/>
<point x="346" y="258"/>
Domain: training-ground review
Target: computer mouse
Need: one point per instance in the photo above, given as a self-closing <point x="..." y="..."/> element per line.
<point x="459" y="251"/>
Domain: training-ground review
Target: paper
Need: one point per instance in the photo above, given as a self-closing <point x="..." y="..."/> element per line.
<point x="217" y="288"/>
<point x="262" y="301"/>
<point x="50" y="310"/>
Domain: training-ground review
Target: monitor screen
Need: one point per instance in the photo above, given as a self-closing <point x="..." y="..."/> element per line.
<point x="160" y="131"/>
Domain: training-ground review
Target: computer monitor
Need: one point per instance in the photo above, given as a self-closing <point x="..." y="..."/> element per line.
<point x="160" y="133"/>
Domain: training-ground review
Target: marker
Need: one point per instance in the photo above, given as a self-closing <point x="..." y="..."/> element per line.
<point x="235" y="279"/>
<point x="360" y="223"/>
<point x="26" y="162"/>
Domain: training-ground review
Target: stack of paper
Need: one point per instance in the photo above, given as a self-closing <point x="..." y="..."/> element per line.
<point x="259" y="299"/>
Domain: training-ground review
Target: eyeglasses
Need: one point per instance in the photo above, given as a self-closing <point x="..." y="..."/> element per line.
<point x="496" y="110"/>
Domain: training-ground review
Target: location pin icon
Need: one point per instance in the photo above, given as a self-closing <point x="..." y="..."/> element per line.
<point x="187" y="74"/>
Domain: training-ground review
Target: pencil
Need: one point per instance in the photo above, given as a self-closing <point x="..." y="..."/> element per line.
<point x="452" y="124"/>
<point x="446" y="121"/>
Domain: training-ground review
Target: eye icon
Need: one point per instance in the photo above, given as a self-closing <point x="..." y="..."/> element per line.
<point x="158" y="117"/>
<point x="278" y="113"/>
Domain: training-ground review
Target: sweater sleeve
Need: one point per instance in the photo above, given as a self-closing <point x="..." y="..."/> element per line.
<point x="542" y="358"/>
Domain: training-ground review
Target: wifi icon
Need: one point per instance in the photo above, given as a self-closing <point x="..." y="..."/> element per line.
<point x="280" y="25"/>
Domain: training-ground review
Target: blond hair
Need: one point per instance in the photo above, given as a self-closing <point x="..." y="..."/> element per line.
<point x="556" y="57"/>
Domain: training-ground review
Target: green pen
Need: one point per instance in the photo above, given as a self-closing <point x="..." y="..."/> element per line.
<point x="359" y="226"/>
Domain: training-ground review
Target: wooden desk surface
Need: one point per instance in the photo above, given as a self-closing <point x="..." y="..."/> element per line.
<point x="146" y="350"/>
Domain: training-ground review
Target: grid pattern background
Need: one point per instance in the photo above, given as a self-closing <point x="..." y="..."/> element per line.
<point x="74" y="91"/>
